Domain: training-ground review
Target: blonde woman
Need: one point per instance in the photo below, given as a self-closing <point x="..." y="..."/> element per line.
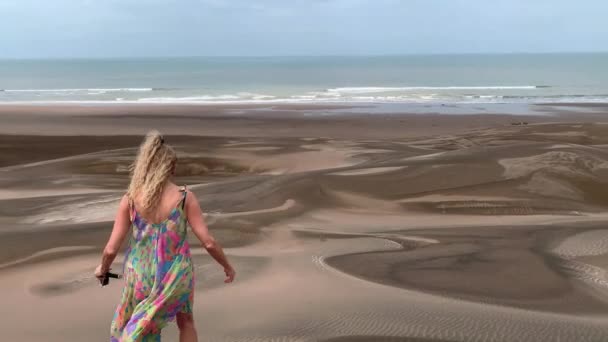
<point x="158" y="272"/>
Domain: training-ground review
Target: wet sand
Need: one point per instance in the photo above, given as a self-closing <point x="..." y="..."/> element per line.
<point x="349" y="227"/>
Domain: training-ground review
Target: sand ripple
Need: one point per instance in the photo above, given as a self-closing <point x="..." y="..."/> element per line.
<point x="594" y="242"/>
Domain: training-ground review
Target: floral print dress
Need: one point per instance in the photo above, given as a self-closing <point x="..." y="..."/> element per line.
<point x="158" y="277"/>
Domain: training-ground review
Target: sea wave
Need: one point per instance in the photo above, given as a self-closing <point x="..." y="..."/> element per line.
<point x="369" y="90"/>
<point x="357" y="98"/>
<point x="77" y="90"/>
<point x="312" y="100"/>
<point x="239" y="97"/>
<point x="370" y="94"/>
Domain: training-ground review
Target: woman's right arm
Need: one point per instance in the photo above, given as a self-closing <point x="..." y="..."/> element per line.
<point x="199" y="227"/>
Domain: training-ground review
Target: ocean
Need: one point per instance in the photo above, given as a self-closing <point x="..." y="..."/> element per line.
<point x="508" y="78"/>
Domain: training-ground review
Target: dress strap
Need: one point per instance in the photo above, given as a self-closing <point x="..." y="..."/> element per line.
<point x="131" y="208"/>
<point x="185" y="191"/>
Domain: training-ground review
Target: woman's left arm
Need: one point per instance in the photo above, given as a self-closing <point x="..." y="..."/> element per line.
<point x="122" y="223"/>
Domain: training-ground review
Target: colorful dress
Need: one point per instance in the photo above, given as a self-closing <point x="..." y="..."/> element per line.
<point x="158" y="277"/>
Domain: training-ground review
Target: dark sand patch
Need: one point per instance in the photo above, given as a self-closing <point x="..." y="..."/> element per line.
<point x="506" y="266"/>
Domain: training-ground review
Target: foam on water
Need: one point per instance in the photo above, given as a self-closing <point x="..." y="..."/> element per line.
<point x="367" y="90"/>
<point x="450" y="95"/>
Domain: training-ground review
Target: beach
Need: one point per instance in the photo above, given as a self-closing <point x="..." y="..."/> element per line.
<point x="344" y="221"/>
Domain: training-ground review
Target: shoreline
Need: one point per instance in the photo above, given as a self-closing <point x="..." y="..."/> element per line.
<point x="294" y="104"/>
<point x="322" y="120"/>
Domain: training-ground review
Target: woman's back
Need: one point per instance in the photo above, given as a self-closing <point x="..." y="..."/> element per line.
<point x="157" y="270"/>
<point x="171" y="197"/>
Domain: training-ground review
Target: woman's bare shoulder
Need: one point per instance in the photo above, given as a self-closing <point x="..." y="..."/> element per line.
<point x="191" y="199"/>
<point x="190" y="194"/>
<point x="125" y="202"/>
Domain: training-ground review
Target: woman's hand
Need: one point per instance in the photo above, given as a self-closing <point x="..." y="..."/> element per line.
<point x="230" y="274"/>
<point x="100" y="272"/>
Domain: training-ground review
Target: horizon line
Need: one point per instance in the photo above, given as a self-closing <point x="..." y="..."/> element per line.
<point x="306" y="55"/>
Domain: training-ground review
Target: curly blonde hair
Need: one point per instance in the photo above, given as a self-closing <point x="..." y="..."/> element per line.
<point x="151" y="170"/>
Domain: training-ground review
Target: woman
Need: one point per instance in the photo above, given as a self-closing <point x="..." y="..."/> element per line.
<point x="158" y="273"/>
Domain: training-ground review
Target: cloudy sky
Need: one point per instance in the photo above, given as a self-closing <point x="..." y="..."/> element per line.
<point x="116" y="28"/>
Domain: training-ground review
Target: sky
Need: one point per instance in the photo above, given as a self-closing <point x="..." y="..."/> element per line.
<point x="143" y="28"/>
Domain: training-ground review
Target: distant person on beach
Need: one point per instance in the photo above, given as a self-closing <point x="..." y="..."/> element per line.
<point x="158" y="272"/>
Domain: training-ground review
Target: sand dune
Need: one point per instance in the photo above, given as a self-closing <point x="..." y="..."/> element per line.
<point x="489" y="232"/>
